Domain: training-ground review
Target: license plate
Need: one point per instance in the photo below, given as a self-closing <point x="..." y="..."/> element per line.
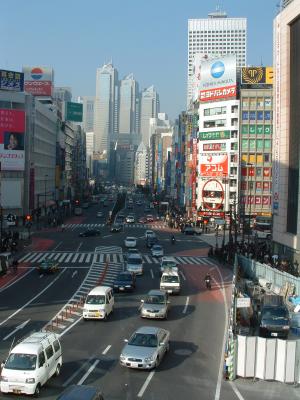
<point x="169" y="291"/>
<point x="17" y="391"/>
<point x="274" y="334"/>
<point x="121" y="288"/>
<point x="152" y="315"/>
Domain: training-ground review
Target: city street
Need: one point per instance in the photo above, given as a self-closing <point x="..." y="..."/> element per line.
<point x="194" y="366"/>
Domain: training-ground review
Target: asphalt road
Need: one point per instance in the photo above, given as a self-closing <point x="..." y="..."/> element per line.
<point x="193" y="367"/>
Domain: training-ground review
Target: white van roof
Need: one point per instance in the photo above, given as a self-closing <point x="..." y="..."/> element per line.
<point x="100" y="290"/>
<point x="33" y="343"/>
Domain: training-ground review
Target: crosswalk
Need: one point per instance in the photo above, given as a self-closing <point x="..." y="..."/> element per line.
<point x="108" y="249"/>
<point x="103" y="257"/>
<point x="97" y="226"/>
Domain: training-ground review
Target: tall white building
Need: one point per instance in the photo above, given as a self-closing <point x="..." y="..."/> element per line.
<point x="88" y="104"/>
<point x="141" y="165"/>
<point x="128" y="103"/>
<point x="105" y="110"/>
<point x="216" y="35"/>
<point x="149" y="109"/>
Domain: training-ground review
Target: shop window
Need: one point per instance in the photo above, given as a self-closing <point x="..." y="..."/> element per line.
<point x="267" y="158"/>
<point x="260" y="102"/>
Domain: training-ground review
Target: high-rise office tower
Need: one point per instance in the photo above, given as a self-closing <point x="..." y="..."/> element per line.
<point x="216" y="35"/>
<point x="128" y="105"/>
<point x="62" y="93"/>
<point x="105" y="110"/>
<point x="149" y="109"/>
<point x="88" y="103"/>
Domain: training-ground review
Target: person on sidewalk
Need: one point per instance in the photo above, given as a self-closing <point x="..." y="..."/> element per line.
<point x="15" y="265"/>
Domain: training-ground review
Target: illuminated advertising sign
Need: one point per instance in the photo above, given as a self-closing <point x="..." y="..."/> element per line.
<point x="11" y="80"/>
<point x="12" y="128"/>
<point x="38" y="81"/>
<point x="257" y="75"/>
<point x="218" y="78"/>
<point x="214" y="147"/>
<point x="216" y="135"/>
<point x="212" y="214"/>
<point x="213" y="165"/>
<point x="212" y="194"/>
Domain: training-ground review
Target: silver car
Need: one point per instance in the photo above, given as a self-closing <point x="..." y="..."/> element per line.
<point x="157" y="250"/>
<point x="146" y="348"/>
<point x="156" y="305"/>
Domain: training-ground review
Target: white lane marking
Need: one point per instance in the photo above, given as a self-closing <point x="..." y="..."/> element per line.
<point x="236" y="391"/>
<point x="74" y="273"/>
<point x="80" y="244"/>
<point x="147" y="258"/>
<point x="17" y="280"/>
<point x="88" y="372"/>
<point x="106" y="349"/>
<point x="88" y="257"/>
<point x="71" y="326"/>
<point x="106" y="236"/>
<point x="186" y="305"/>
<point x="35" y="297"/>
<point x="21" y="326"/>
<point x="155" y="260"/>
<point x="62" y="257"/>
<point x="75" y="257"/>
<point x="69" y="257"/>
<point x="152" y="274"/>
<point x="56" y="247"/>
<point x="41" y="275"/>
<point x="146" y="383"/>
<point x="81" y="257"/>
<point x="220" y="375"/>
<point x="183" y="276"/>
<point x="69" y="380"/>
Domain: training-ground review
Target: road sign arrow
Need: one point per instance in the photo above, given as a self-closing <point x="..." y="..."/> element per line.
<point x="21" y="326"/>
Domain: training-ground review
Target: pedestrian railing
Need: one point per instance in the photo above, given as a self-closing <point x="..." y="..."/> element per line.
<point x="254" y="269"/>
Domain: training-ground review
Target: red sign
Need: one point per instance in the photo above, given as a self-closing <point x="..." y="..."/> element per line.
<point x="212" y="194"/>
<point x="266" y="200"/>
<point x="266" y="185"/>
<point x="219" y="93"/>
<point x="220" y="214"/>
<point x="38" y="88"/>
<point x="213" y="165"/>
<point x="214" y="147"/>
<point x="195" y="153"/>
<point x="258" y="186"/>
<point x="257" y="200"/>
<point x="250" y="200"/>
<point x="250" y="171"/>
<point x="267" y="172"/>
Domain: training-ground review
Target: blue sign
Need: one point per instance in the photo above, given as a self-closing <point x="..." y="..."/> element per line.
<point x="11" y="80"/>
<point x="217" y="69"/>
<point x="268" y="115"/>
<point x="245" y="115"/>
<point x="275" y="205"/>
<point x="252" y="115"/>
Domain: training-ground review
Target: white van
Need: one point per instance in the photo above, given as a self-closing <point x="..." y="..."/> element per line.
<point x="170" y="281"/>
<point x="31" y="363"/>
<point x="99" y="303"/>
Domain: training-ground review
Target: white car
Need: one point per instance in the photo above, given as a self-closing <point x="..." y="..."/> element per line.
<point x="149" y="234"/>
<point x="130" y="242"/>
<point x="130" y="219"/>
<point x="157" y="250"/>
<point x="100" y="214"/>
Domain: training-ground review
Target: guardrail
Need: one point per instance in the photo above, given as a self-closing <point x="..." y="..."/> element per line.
<point x="254" y="269"/>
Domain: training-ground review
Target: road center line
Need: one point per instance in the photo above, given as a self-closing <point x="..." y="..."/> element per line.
<point x="219" y="382"/>
<point x="35" y="297"/>
<point x="236" y="391"/>
<point x="186" y="305"/>
<point x="152" y="274"/>
<point x="88" y="372"/>
<point x="146" y="383"/>
<point x="17" y="280"/>
<point x="56" y="247"/>
<point x="106" y="349"/>
<point x="80" y="244"/>
<point x="106" y="236"/>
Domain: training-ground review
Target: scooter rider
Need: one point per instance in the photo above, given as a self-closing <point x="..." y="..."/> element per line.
<point x="207" y="280"/>
<point x="173" y="239"/>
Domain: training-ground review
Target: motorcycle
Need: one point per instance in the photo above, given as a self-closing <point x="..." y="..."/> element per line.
<point x="208" y="284"/>
<point x="173" y="240"/>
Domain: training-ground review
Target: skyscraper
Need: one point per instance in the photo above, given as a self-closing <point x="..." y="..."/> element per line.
<point x="88" y="103"/>
<point x="105" y="110"/>
<point x="215" y="36"/>
<point x="128" y="110"/>
<point x="149" y="109"/>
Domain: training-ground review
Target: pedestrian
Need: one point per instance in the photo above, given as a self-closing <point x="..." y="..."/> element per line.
<point x="15" y="265"/>
<point x="62" y="227"/>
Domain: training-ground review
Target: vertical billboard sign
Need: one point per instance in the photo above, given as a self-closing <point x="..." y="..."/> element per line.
<point x="218" y="78"/>
<point x="38" y="81"/>
<point x="11" y="80"/>
<point x="198" y="58"/>
<point x="31" y="188"/>
<point x="194" y="174"/>
<point x="12" y="131"/>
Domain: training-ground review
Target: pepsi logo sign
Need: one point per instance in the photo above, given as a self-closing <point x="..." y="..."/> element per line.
<point x="37" y="73"/>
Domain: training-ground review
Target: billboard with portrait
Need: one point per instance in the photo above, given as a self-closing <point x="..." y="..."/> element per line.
<point x="218" y="78"/>
<point x="38" y="81"/>
<point x="12" y="129"/>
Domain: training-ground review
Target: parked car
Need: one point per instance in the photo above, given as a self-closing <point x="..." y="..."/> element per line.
<point x="168" y="262"/>
<point x="155" y="305"/>
<point x="48" y="266"/>
<point x="130" y="241"/>
<point x="116" y="228"/>
<point x="157" y="250"/>
<point x="149" y="233"/>
<point x="125" y="282"/>
<point x="146" y="348"/>
<point x="90" y="232"/>
<point x="131" y="251"/>
<point x="274" y="319"/>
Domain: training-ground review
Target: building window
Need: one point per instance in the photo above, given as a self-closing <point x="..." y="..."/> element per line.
<point x="267" y="158"/>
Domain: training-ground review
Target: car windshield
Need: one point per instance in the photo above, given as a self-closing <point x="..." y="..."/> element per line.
<point x="143" y="339"/>
<point x="124" y="277"/>
<point x="275" y="312"/>
<point x="168" y="264"/>
<point x="156" y="247"/>
<point x="95" y="299"/>
<point x="170" y="278"/>
<point x="24" y="362"/>
<point x="134" y="260"/>
<point x="130" y="240"/>
<point x="157" y="299"/>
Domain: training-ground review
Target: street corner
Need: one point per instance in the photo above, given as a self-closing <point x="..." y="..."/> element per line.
<point x="40" y="244"/>
<point x="12" y="276"/>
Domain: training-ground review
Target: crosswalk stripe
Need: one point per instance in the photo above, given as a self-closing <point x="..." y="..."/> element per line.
<point x="88" y="257"/>
<point x="81" y="258"/>
<point x="34" y="259"/>
<point x="57" y="256"/>
<point x="29" y="257"/>
<point x="155" y="260"/>
<point x="62" y="256"/>
<point x="147" y="259"/>
<point x="76" y="255"/>
<point x="69" y="257"/>
<point x="115" y="260"/>
<point x="194" y="260"/>
<point x="180" y="260"/>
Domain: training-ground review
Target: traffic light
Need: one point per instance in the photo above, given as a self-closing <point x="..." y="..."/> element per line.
<point x="77" y="202"/>
<point x="28" y="218"/>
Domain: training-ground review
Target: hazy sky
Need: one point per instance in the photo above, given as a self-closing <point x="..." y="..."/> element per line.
<point x="148" y="38"/>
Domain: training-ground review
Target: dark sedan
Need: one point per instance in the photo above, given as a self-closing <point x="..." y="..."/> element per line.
<point x="125" y="282"/>
<point x="116" y="228"/>
<point x="90" y="232"/>
<point x="151" y="241"/>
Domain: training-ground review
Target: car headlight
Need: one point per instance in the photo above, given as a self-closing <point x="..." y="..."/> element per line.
<point x="122" y="358"/>
<point x="128" y="286"/>
<point x="149" y="359"/>
<point x="286" y="327"/>
<point x="263" y="325"/>
<point x="30" y="380"/>
<point x="4" y="378"/>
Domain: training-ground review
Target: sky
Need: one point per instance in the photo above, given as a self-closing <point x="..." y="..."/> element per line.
<point x="147" y="38"/>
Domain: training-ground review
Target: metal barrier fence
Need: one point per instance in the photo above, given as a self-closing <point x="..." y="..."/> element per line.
<point x="254" y="269"/>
